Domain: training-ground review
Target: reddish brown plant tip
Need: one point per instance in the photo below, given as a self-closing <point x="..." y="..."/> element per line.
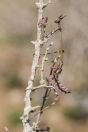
<point x="43" y="22"/>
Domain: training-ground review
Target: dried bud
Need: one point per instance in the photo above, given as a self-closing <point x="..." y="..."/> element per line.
<point x="43" y="22"/>
<point x="58" y="20"/>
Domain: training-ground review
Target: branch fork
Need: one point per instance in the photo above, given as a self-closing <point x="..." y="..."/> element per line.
<point x="49" y="83"/>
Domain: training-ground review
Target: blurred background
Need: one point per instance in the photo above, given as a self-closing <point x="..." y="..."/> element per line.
<point x="17" y="28"/>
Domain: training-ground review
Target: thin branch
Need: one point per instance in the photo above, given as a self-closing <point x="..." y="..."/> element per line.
<point x="49" y="83"/>
<point x="44" y="59"/>
<point x="28" y="107"/>
<point x="56" y="99"/>
<point x="52" y="33"/>
<point x="42" y="86"/>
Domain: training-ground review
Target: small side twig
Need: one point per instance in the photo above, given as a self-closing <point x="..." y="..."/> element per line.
<point x="44" y="59"/>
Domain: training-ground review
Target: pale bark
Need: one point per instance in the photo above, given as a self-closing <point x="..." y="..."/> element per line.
<point x="53" y="76"/>
<point x="28" y="106"/>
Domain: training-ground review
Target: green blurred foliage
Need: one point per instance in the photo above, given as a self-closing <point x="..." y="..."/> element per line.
<point x="76" y="114"/>
<point x="19" y="39"/>
<point x="13" y="81"/>
<point x="14" y="117"/>
<point x="83" y="91"/>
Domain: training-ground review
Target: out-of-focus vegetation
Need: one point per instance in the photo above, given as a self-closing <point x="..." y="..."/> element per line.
<point x="14" y="117"/>
<point x="17" y="28"/>
<point x="12" y="80"/>
<point x="76" y="114"/>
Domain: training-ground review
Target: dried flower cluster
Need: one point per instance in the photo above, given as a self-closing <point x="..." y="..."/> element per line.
<point x="50" y="83"/>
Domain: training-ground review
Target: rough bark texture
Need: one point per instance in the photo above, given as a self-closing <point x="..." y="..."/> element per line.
<point x="28" y="107"/>
<point x="51" y="83"/>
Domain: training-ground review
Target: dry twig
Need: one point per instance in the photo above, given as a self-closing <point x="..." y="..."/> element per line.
<point x="51" y="82"/>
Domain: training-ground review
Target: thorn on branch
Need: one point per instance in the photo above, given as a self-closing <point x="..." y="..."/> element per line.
<point x="39" y="5"/>
<point x="46" y="4"/>
<point x="42" y="5"/>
